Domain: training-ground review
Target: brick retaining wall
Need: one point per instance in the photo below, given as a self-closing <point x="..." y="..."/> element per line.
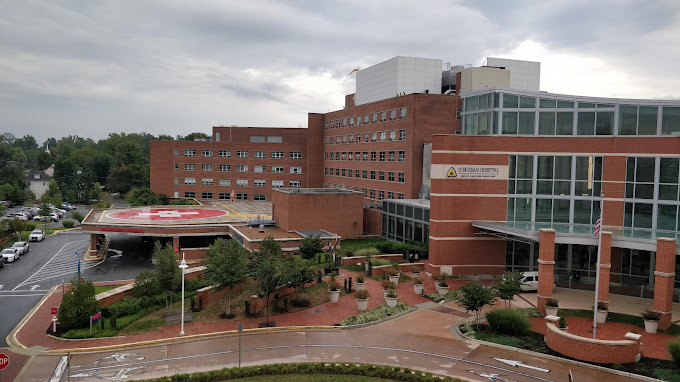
<point x="360" y="259"/>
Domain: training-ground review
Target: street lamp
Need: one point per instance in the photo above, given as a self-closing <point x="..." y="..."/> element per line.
<point x="183" y="265"/>
<point x="78" y="257"/>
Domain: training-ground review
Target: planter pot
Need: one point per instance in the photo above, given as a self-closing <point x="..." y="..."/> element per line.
<point x="385" y="293"/>
<point x="601" y="316"/>
<point x="395" y="279"/>
<point x="366" y="263"/>
<point x="442" y="290"/>
<point x="416" y="274"/>
<point x="334" y="295"/>
<point x="551" y="311"/>
<point x="362" y="304"/>
<point x="361" y="286"/>
<point x="651" y="326"/>
<point x="418" y="289"/>
<point x="391" y="301"/>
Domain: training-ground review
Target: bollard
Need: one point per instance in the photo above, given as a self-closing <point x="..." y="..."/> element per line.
<point x="54" y="324"/>
<point x="642" y="291"/>
<point x="570" y="277"/>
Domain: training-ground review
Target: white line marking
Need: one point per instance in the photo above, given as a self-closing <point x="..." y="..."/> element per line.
<point x="521" y="364"/>
<point x="34" y="287"/>
<point x="20" y="295"/>
<point x="44" y="265"/>
<point x="2" y="286"/>
<point x="59" y="370"/>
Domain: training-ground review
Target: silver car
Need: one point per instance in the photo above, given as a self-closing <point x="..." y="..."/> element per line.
<point x="22" y="246"/>
<point x="10" y="254"/>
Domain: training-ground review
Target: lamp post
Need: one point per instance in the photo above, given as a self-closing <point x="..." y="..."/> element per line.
<point x="183" y="265"/>
<point x="78" y="257"/>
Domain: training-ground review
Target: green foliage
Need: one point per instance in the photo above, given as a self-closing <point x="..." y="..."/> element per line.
<point x="509" y="287"/>
<point x="674" y="349"/>
<point x="551" y="303"/>
<point x="77" y="216"/>
<point x="226" y="267"/>
<point x="367" y="252"/>
<point x="78" y="304"/>
<point x="143" y="197"/>
<point x="183" y="202"/>
<point x="473" y="296"/>
<point x="375" y="314"/>
<point x="67" y="223"/>
<point x="311" y="245"/>
<point x="508" y="321"/>
<point x="296" y="273"/>
<point x="168" y="273"/>
<point x="146" y="284"/>
<point x="264" y="269"/>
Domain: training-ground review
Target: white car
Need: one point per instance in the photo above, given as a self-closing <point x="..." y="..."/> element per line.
<point x="37" y="235"/>
<point x="10" y="254"/>
<point x="22" y="246"/>
<point x="53" y="217"/>
<point x="529" y="282"/>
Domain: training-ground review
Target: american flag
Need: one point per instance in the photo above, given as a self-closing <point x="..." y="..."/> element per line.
<point x="598" y="225"/>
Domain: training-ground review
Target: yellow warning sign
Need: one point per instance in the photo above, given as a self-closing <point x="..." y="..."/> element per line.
<point x="451" y="173"/>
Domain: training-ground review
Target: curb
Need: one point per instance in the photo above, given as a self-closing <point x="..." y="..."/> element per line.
<point x="547" y="356"/>
<point x="11" y="338"/>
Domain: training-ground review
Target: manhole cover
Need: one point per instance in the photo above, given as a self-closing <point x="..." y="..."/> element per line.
<point x="317" y="310"/>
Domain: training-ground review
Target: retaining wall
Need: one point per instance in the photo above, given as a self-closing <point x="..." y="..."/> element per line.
<point x="360" y="259"/>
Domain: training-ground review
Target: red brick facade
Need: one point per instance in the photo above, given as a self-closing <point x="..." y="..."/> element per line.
<point x="546" y="267"/>
<point x="663" y="283"/>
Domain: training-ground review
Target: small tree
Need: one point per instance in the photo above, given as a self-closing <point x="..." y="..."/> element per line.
<point x="473" y="296"/>
<point x="168" y="274"/>
<point x="78" y="304"/>
<point x="45" y="211"/>
<point x="311" y="245"/>
<point x="509" y="287"/>
<point x="268" y="278"/>
<point x="226" y="268"/>
<point x="145" y="284"/>
<point x="269" y="250"/>
<point x="296" y="272"/>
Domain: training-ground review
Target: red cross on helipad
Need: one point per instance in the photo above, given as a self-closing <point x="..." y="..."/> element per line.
<point x="166" y="214"/>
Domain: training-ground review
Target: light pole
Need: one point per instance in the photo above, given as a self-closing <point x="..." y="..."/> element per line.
<point x="78" y="257"/>
<point x="183" y="265"/>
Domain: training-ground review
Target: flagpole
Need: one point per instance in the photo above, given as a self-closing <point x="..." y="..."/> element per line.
<point x="598" y="227"/>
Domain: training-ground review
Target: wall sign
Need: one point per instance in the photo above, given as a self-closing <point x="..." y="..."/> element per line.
<point x="469" y="171"/>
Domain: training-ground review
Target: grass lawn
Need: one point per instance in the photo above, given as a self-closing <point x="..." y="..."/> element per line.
<point x="103" y="288"/>
<point x="312" y="378"/>
<point x="357" y="244"/>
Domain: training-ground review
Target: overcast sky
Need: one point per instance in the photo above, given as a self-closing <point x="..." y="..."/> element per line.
<point x="174" y="67"/>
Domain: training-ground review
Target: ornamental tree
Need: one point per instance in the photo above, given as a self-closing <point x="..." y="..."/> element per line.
<point x="226" y="268"/>
<point x="473" y="296"/>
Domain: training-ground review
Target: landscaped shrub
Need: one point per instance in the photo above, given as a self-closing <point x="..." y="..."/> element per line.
<point x="146" y="284"/>
<point x="508" y="321"/>
<point x="379" y="262"/>
<point x="68" y="223"/>
<point x="674" y="349"/>
<point x="374" y="314"/>
<point x="127" y="306"/>
<point x="30" y="226"/>
<point x="77" y="215"/>
<point x="367" y="252"/>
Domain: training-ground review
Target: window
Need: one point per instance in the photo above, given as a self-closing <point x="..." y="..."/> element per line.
<point x="175" y="182"/>
<point x="277" y="183"/>
<point x="393" y="116"/>
<point x="260" y="169"/>
<point x="344" y="155"/>
<point x="241" y="168"/>
<point x="242" y="182"/>
<point x="206" y="195"/>
<point x="207" y="181"/>
<point x="344" y="139"/>
<point x="365" y="119"/>
<point x="373" y="174"/>
<point x="338" y="140"/>
<point x="189" y="153"/>
<point x="351" y="121"/>
<point x="402" y="177"/>
<point x="367" y="137"/>
<point x="373" y="156"/>
<point x="390" y="177"/>
<point x="358" y="120"/>
<point x="383" y="136"/>
<point x="256" y="139"/>
<point x="382" y="156"/>
<point x="344" y="172"/>
<point x="383" y="116"/>
<point x="259" y="197"/>
<point x="259" y="183"/>
<point x="225" y="154"/>
<point x="358" y="136"/>
<point x="176" y="152"/>
<point x="357" y="173"/>
<point x="637" y="120"/>
<point x="325" y="126"/>
<point x="295" y="155"/>
<point x="189" y="194"/>
<point x="241" y="154"/>
<point x="374" y="137"/>
<point x="381" y="195"/>
<point x="295" y="170"/>
<point x="344" y="122"/>
<point x="206" y="167"/>
<point x="225" y="182"/>
<point x="357" y="156"/>
<point x="393" y="135"/>
<point x="277" y="154"/>
<point x="365" y="155"/>
<point x="225" y="168"/>
<point x="189" y="180"/>
<point x="402" y="115"/>
<point x="260" y="154"/>
<point x="332" y="124"/>
<point x="374" y="118"/>
<point x="337" y="155"/>
<point x="241" y="196"/>
<point x="189" y="167"/>
<point x="295" y="184"/>
<point x="372" y="194"/>
<point x="381" y="175"/>
<point x="670" y="121"/>
<point x="390" y="195"/>
<point x="350" y="138"/>
<point x="274" y="139"/>
<point x="402" y="156"/>
<point x="364" y="174"/>
<point x="400" y="196"/>
<point x="176" y="166"/>
<point x="207" y="153"/>
<point x="402" y="135"/>
<point x="224" y="196"/>
<point x="391" y="156"/>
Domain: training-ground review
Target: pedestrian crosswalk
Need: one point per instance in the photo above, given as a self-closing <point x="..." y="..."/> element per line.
<point x="64" y="262"/>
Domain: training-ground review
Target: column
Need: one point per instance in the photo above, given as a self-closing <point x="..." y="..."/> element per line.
<point x="605" y="267"/>
<point x="664" y="275"/>
<point x="546" y="267"/>
<point x="93" y="245"/>
<point x="175" y="244"/>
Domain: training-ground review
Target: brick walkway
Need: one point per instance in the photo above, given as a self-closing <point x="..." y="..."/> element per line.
<point x="33" y="332"/>
<point x="653" y="345"/>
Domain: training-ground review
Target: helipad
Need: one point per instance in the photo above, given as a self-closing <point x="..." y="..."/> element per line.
<point x="168" y="215"/>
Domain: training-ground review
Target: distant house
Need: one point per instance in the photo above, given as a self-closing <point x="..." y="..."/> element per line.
<point x="39" y="181"/>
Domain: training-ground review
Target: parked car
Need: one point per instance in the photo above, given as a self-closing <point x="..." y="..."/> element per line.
<point x="22" y="246"/>
<point x="59" y="212"/>
<point x="10" y="254"/>
<point x="51" y="217"/>
<point x="37" y="235"/>
<point x="2" y="261"/>
<point x="529" y="281"/>
<point x="19" y="215"/>
<point x="7" y="203"/>
<point x="68" y="207"/>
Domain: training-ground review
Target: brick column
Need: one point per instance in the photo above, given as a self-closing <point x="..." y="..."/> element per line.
<point x="546" y="267"/>
<point x="93" y="245"/>
<point x="664" y="275"/>
<point x="605" y="267"/>
<point x="175" y="243"/>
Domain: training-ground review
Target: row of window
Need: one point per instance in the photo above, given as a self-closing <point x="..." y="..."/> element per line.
<point x="389" y="176"/>
<point x="223" y="195"/>
<point x="241" y="182"/>
<point x="555" y="175"/>
<point x="239" y="168"/>
<point x="367" y="118"/>
<point x="240" y="154"/>
<point x="376" y="136"/>
<point x="381" y="156"/>
<point x="368" y="192"/>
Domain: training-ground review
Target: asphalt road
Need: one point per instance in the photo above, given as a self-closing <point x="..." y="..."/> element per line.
<point x="53" y="261"/>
